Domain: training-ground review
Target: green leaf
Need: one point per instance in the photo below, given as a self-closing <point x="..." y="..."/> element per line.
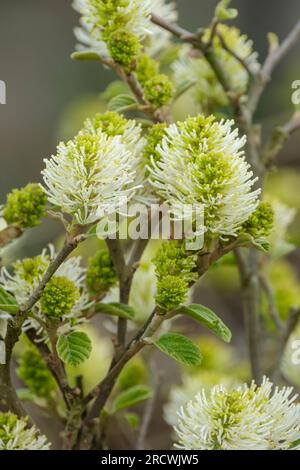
<point x="74" y="348"/>
<point x="116" y="309"/>
<point x="122" y="103"/>
<point x="245" y="239"/>
<point x="183" y="86"/>
<point x="273" y="40"/>
<point x="208" y="318"/>
<point x="133" y="420"/>
<point x="7" y="302"/>
<point x="223" y="13"/>
<point x="131" y="397"/>
<point x="180" y="348"/>
<point x="85" y="55"/>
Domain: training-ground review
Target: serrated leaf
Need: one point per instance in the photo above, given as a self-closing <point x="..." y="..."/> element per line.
<point x="122" y="103"/>
<point x="74" y="348"/>
<point x="183" y="86"/>
<point x="131" y="397"/>
<point x="85" y="55"/>
<point x="7" y="302"/>
<point x="116" y="309"/>
<point x="208" y="318"/>
<point x="180" y="348"/>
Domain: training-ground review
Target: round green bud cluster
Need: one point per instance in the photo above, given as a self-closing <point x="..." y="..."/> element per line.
<point x="260" y="223"/>
<point x="173" y="260"/>
<point x="146" y="68"/>
<point x="171" y="292"/>
<point x="30" y="269"/>
<point x="154" y="138"/>
<point x="111" y="123"/>
<point x="35" y="375"/>
<point x="101" y="274"/>
<point x="24" y="207"/>
<point x="158" y="90"/>
<point x="59" y="297"/>
<point x="123" y="47"/>
<point x="15" y="434"/>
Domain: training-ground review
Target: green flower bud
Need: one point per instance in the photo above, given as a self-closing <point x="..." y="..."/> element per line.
<point x="24" y="207"/>
<point x="35" y="375"/>
<point x="172" y="259"/>
<point x="171" y="292"/>
<point x="146" y="68"/>
<point x="30" y="269"/>
<point x="123" y="47"/>
<point x="154" y="138"/>
<point x="260" y="223"/>
<point x="111" y="123"/>
<point x="101" y="274"/>
<point x="158" y="90"/>
<point x="59" y="297"/>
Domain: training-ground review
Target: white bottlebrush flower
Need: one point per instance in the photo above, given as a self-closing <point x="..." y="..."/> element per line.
<point x="207" y="90"/>
<point x="191" y="384"/>
<point x="201" y="164"/>
<point x="114" y="124"/>
<point x="28" y="273"/>
<point x="133" y="15"/>
<point x="90" y="176"/>
<point x="130" y="133"/>
<point x="246" y="418"/>
<point x="98" y="18"/>
<point x="15" y="434"/>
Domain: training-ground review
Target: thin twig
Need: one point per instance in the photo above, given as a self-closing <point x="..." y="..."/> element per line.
<point x="273" y="59"/>
<point x="54" y="365"/>
<point x="7" y="390"/>
<point x="150" y="406"/>
<point x="130" y="79"/>
<point x="8" y="395"/>
<point x="271" y="300"/>
<point x="278" y="138"/>
<point x="243" y="62"/>
<point x="248" y="268"/>
<point x="70" y="244"/>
